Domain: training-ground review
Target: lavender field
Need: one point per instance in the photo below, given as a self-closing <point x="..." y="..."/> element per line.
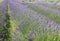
<point x="29" y="21"/>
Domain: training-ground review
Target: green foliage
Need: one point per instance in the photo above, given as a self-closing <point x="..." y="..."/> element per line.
<point x="1" y="27"/>
<point x="7" y="37"/>
<point x="9" y="26"/>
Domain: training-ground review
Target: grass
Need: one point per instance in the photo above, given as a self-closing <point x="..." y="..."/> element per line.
<point x="16" y="23"/>
<point x="50" y="15"/>
<point x="49" y="35"/>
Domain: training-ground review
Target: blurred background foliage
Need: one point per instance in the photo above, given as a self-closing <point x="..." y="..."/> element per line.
<point x="27" y="27"/>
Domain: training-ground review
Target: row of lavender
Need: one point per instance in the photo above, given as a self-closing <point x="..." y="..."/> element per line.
<point x="29" y="25"/>
<point x="33" y="26"/>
